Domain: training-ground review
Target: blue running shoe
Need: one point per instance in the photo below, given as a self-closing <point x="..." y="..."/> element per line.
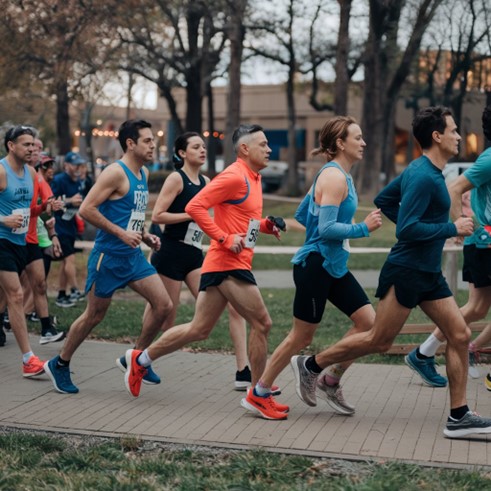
<point x="151" y="378"/>
<point x="425" y="369"/>
<point x="60" y="376"/>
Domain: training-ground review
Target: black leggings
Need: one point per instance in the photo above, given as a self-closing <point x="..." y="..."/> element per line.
<point x="315" y="286"/>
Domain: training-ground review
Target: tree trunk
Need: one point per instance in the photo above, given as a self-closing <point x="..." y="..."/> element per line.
<point x="211" y="147"/>
<point x="236" y="34"/>
<point x="64" y="141"/>
<point x="292" y="179"/>
<point x="342" y="51"/>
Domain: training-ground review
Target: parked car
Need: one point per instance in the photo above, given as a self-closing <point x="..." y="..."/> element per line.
<point x="274" y="175"/>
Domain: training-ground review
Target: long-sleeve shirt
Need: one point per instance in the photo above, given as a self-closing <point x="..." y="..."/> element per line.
<point x="418" y="203"/>
<point x="232" y="214"/>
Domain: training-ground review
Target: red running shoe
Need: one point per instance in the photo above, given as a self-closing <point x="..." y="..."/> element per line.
<point x="134" y="374"/>
<point x="33" y="367"/>
<point x="264" y="406"/>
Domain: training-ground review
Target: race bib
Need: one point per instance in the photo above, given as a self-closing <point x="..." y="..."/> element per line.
<point x="194" y="235"/>
<point x="136" y="222"/>
<point x="346" y="245"/>
<point x="252" y="233"/>
<point x="26" y="214"/>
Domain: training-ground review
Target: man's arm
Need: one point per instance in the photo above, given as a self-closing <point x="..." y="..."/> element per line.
<point x="111" y="182"/>
<point x="456" y="189"/>
<point x="389" y="199"/>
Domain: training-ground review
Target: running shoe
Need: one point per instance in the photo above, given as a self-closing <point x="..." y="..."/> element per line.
<point x="487" y="382"/>
<point x="60" y="376"/>
<point x="51" y="336"/>
<point x="425" y="369"/>
<point x="64" y="302"/>
<point x="333" y="394"/>
<point x="134" y="374"/>
<point x="76" y="295"/>
<point x="242" y="379"/>
<point x="32" y="317"/>
<point x="151" y="378"/>
<point x="471" y="423"/>
<point x="33" y="367"/>
<point x="266" y="407"/>
<point x="3" y="337"/>
<point x="305" y="381"/>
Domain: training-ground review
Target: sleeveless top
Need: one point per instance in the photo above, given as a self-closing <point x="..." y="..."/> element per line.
<point x="334" y="252"/>
<point x="177" y="231"/>
<point x="16" y="199"/>
<point x="128" y="212"/>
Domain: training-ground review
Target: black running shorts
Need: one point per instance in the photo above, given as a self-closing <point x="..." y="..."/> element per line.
<point x="214" y="279"/>
<point x="34" y="252"/>
<point x="412" y="286"/>
<point x="315" y="286"/>
<point x="477" y="266"/>
<point x="13" y="257"/>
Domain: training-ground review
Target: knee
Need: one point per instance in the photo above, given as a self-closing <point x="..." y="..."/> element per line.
<point x="379" y="343"/>
<point x="264" y="324"/>
<point x="40" y="287"/>
<point x="479" y="312"/>
<point x="16" y="298"/>
<point x="199" y="332"/>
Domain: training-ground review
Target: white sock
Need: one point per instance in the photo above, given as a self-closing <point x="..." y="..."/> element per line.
<point x="26" y="356"/>
<point x="144" y="360"/>
<point x="430" y="346"/>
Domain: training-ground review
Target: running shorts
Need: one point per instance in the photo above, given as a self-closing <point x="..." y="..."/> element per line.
<point x="477" y="266"/>
<point x="411" y="285"/>
<point x="176" y="260"/>
<point x="110" y="273"/>
<point x="214" y="279"/>
<point x="315" y="286"/>
<point x="13" y="257"/>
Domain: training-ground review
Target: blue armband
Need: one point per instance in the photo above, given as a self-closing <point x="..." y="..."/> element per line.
<point x="331" y="229"/>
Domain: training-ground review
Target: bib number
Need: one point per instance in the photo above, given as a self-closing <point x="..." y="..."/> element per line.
<point x="252" y="233"/>
<point x="136" y="222"/>
<point x="69" y="214"/>
<point x="26" y="214"/>
<point x="194" y="235"/>
<point x="346" y="245"/>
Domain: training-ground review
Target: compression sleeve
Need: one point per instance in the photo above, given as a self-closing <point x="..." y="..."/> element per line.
<point x="330" y="229"/>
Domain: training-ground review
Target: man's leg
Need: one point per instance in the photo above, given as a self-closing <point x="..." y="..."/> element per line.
<point x="159" y="307"/>
<point x="58" y="368"/>
<point x="12" y="290"/>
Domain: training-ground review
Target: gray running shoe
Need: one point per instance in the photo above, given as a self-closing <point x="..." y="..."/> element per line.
<point x="333" y="394"/>
<point x="469" y="424"/>
<point x="305" y="381"/>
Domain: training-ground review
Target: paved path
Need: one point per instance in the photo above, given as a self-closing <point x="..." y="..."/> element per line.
<point x="396" y="416"/>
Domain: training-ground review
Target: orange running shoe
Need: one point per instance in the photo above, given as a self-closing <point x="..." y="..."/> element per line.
<point x="33" y="367"/>
<point x="134" y="374"/>
<point x="264" y="406"/>
<point x="282" y="408"/>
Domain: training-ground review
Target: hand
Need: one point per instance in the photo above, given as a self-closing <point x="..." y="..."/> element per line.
<point x="238" y="243"/>
<point x="152" y="241"/>
<point x="374" y="220"/>
<point x="57" y="251"/>
<point x="464" y="225"/>
<point x="274" y="225"/>
<point x="56" y="204"/>
<point x="13" y="221"/>
<point x="76" y="200"/>
<point x="132" y="239"/>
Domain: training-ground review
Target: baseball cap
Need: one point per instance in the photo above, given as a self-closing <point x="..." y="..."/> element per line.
<point x="74" y="158"/>
<point x="44" y="161"/>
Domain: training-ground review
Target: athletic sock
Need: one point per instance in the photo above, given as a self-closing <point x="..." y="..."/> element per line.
<point x="62" y="363"/>
<point x="26" y="356"/>
<point x="61" y="293"/>
<point x="333" y="374"/>
<point x="261" y="390"/>
<point x="311" y="365"/>
<point x="2" y="317"/>
<point x="458" y="412"/>
<point x="144" y="360"/>
<point x="419" y="356"/>
<point x="45" y="325"/>
<point x="430" y="346"/>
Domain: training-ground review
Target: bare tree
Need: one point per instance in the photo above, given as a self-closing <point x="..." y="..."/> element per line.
<point x="386" y="69"/>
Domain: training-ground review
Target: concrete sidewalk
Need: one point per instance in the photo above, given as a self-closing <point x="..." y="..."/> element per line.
<point x="396" y="416"/>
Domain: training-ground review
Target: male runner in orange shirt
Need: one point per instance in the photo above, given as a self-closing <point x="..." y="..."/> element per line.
<point x="236" y="197"/>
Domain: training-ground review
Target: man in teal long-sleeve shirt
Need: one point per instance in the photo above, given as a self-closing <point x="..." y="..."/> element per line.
<point x="419" y="203"/>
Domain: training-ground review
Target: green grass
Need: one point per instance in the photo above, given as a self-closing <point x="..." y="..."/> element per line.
<point x="57" y="464"/>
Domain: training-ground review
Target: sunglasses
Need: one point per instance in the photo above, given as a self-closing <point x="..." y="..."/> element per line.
<point x="14" y="133"/>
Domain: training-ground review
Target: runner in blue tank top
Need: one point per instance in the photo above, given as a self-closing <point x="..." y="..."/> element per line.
<point x="116" y="205"/>
<point x="418" y="202"/>
<point x="320" y="267"/>
<point x="16" y="192"/>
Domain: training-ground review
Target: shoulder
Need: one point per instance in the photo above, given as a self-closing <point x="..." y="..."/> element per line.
<point x="333" y="176"/>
